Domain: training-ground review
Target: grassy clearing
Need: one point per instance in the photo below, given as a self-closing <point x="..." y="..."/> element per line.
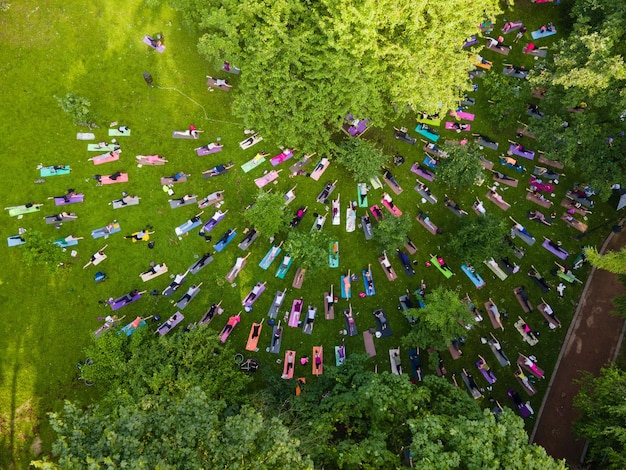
<point x="94" y="49"/>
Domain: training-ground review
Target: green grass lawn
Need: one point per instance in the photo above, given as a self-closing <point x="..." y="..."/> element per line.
<point x="94" y="49"/>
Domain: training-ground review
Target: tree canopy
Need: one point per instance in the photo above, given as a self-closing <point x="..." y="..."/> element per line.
<point x="602" y="416"/>
<point x="309" y="250"/>
<point x="305" y="64"/>
<point x="479" y="239"/>
<point x="438" y="322"/>
<point x="267" y="214"/>
<point x="391" y="232"/>
<point x="360" y="157"/>
<point x="612" y="261"/>
<point x="588" y="75"/>
<point x="461" y="168"/>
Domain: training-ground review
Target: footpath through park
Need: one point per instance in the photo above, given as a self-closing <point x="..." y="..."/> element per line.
<point x="593" y="339"/>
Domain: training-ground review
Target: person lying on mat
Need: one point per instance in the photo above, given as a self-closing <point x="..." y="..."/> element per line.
<point x="224" y="238"/>
<point x="276" y="337"/>
<point x="210" y="146"/>
<point x="523" y="378"/>
<point x="184" y="199"/>
<point x="227" y="329"/>
<point x="70" y="194"/>
<point x="422" y="187"/>
<point x="187" y="296"/>
<point x="65" y="215"/>
<point x="385" y="262"/>
<point x="502" y="176"/>
<point x="397" y="360"/>
<point x="128" y="297"/>
<point x="378" y="213"/>
<point x="219" y="169"/>
<point x="423" y="217"/>
<point x="368" y="277"/>
<point x="495" y="196"/>
<point x="387" y="198"/>
<point x="382" y="318"/>
<point x="290" y="360"/>
<point x="485" y="367"/>
<point x="520" y="34"/>
<point x="97" y="256"/>
<point x="391" y="178"/>
<point x="521" y="291"/>
<point x="442" y="263"/>
<point x="478" y="205"/>
<point x="139" y="236"/>
<point x="460" y="127"/>
<point x="537" y="195"/>
<point x="193" y="131"/>
<point x="318" y="360"/>
<point x="308" y="325"/>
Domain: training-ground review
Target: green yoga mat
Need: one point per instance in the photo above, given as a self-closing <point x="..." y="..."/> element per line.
<point x="252" y="164"/>
<point x="20" y="210"/>
<point x="361" y="201"/>
<point x="446" y="272"/>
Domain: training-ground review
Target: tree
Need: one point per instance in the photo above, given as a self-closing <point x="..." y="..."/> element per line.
<point x="39" y="250"/>
<point x="600" y="402"/>
<point x="508" y="97"/>
<point x="612" y="261"/>
<point x="392" y="231"/>
<point x="268" y="215"/>
<point x="128" y="368"/>
<point x="479" y="239"/>
<point x="438" y="322"/>
<point x="163" y="432"/>
<point x="309" y="250"/>
<point x="588" y="73"/>
<point x="461" y="168"/>
<point x="360" y="157"/>
<point x="307" y="64"/>
<point x="77" y="107"/>
<point x="458" y="441"/>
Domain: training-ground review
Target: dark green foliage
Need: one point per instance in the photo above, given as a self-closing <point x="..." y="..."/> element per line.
<point x="309" y="250"/>
<point x="392" y="231"/>
<point x="461" y="168"/>
<point x="602" y="416"/>
<point x="438" y="321"/>
<point x="268" y="215"/>
<point x="479" y="238"/>
<point x="361" y="158"/>
<point x="508" y="97"/>
<point x="39" y="251"/>
<point x="77" y="107"/>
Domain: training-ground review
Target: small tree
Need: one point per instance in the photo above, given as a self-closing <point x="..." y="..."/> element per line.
<point x="391" y="232"/>
<point x="360" y="157"/>
<point x="268" y="215"/>
<point x="600" y="402"/>
<point x="77" y="107"/>
<point x="438" y="321"/>
<point x="508" y="97"/>
<point x="39" y="250"/>
<point x="612" y="261"/>
<point x="308" y="249"/>
<point x="462" y="167"/>
<point x="479" y="238"/>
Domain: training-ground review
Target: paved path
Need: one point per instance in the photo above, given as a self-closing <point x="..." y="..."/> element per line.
<point x="593" y="339"/>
